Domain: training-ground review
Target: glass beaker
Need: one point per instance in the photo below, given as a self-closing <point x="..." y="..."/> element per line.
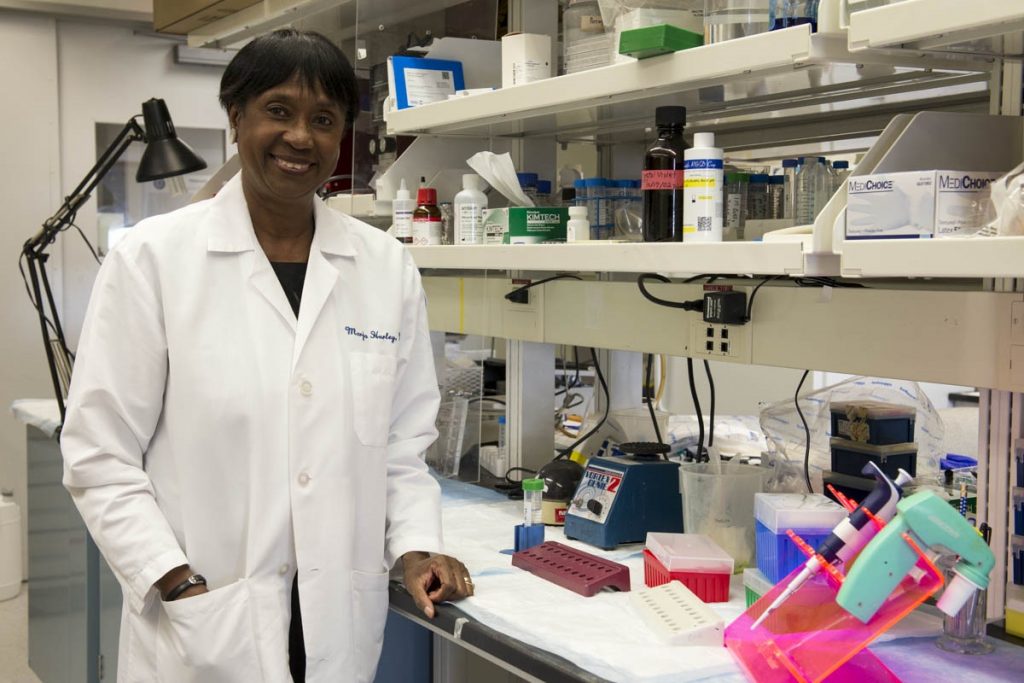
<point x="964" y="633"/>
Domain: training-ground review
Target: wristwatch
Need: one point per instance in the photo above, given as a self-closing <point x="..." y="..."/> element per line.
<point x="194" y="580"/>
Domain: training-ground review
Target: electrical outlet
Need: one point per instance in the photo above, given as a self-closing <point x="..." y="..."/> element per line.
<point x="713" y="340"/>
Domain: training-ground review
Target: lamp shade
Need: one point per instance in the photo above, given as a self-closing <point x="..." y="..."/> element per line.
<point x="165" y="155"/>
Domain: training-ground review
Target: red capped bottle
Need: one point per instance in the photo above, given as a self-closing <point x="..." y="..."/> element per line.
<point x="662" y="178"/>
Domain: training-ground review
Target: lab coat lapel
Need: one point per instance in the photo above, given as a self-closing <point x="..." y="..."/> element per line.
<point x="230" y="229"/>
<point x="264" y="279"/>
<point x="331" y="239"/>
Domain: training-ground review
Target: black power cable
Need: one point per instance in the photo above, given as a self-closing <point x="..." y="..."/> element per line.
<point x="695" y="305"/>
<point x="711" y="418"/>
<point x="807" y="433"/>
<point x="516" y="295"/>
<point x="696" y="407"/>
<point x="649" y="395"/>
<point x="750" y="302"/>
<point x="565" y="452"/>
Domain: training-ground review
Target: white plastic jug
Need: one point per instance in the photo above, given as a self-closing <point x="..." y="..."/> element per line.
<point x="10" y="549"/>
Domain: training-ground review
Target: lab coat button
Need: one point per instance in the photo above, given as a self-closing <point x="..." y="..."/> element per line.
<point x="306" y="388"/>
<point x="283" y="570"/>
<point x="303" y="479"/>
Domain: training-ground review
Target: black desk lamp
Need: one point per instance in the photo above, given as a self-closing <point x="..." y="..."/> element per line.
<point x="165" y="156"/>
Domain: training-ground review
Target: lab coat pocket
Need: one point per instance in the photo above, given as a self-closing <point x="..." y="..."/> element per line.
<point x="369" y="614"/>
<point x="209" y="637"/>
<point x="373" y="383"/>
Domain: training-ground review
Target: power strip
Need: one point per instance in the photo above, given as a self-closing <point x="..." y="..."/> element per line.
<point x="678" y="616"/>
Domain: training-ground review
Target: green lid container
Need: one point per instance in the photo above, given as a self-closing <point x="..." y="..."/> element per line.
<point x="737" y="177"/>
<point x="533" y="484"/>
<point x="652" y="41"/>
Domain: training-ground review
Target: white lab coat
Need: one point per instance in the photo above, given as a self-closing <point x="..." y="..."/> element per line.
<point x="206" y="425"/>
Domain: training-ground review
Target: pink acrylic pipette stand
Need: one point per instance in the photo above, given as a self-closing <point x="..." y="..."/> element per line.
<point x="811" y="638"/>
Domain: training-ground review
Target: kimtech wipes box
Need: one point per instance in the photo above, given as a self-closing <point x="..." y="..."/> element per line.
<point x="525" y="225"/>
<point x="919" y="204"/>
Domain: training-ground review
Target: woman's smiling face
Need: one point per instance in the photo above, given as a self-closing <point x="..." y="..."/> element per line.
<point x="289" y="139"/>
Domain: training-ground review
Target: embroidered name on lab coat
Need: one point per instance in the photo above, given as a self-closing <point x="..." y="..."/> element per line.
<point x="374" y="335"/>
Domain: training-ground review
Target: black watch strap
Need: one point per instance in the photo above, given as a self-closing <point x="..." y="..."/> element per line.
<point x="194" y="580"/>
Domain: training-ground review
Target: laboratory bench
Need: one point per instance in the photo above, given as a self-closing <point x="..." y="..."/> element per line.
<point x="528" y="626"/>
<point x="520" y="620"/>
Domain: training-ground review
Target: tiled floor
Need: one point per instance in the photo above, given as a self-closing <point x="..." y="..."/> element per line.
<point x="14" y="640"/>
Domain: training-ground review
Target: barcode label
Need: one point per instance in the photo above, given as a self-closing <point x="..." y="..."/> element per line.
<point x="703" y="223"/>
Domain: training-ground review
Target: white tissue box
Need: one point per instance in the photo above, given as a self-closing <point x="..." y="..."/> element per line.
<point x="918" y="204"/>
<point x="525" y="57"/>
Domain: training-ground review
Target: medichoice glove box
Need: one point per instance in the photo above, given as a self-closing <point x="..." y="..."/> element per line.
<point x="810" y="516"/>
<point x="873" y="422"/>
<point x="693" y="559"/>
<point x="525" y="225"/>
<point x="917" y="204"/>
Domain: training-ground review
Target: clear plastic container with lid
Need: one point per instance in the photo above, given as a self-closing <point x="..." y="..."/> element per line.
<point x="789" y="187"/>
<point x="758" y="200"/>
<point x="729" y="19"/>
<point x="736" y="187"/>
<point x="528" y="183"/>
<point x="776" y="197"/>
<point x="585" y="42"/>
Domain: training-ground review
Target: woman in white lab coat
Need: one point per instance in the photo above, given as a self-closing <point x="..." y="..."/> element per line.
<point x="253" y="392"/>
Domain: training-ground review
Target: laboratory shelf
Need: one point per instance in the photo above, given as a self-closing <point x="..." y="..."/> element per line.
<point x="980" y="257"/>
<point x="942" y="25"/>
<point x="754" y="258"/>
<point x="781" y="78"/>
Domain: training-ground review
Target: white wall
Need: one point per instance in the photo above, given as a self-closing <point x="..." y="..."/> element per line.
<point x="28" y="192"/>
<point x="106" y="72"/>
<point x="60" y="78"/>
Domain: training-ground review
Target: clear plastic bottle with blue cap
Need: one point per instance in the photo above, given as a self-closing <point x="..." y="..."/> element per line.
<point x="789" y="187"/>
<point x="841" y="170"/>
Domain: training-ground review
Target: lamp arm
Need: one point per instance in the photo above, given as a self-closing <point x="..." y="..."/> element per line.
<point x="34" y="251"/>
<point x="64" y="215"/>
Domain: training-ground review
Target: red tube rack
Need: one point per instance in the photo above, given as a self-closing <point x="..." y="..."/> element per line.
<point x="576" y="570"/>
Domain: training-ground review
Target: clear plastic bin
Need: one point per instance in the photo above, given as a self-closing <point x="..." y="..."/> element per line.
<point x="718" y="501"/>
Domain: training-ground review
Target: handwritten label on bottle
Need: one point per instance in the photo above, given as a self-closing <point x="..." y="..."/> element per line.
<point x="662" y="180"/>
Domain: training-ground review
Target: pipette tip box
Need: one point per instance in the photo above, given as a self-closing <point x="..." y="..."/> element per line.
<point x="693" y="559"/>
<point x="873" y="422"/>
<point x="850" y="457"/>
<point x="811" y="516"/>
<point x="755" y="584"/>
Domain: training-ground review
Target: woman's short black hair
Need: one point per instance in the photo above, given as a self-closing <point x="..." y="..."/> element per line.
<point x="276" y="57"/>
